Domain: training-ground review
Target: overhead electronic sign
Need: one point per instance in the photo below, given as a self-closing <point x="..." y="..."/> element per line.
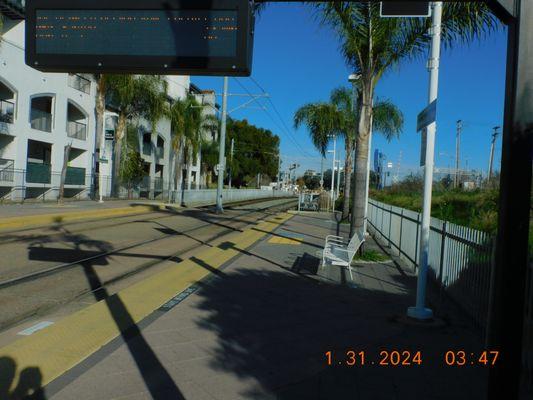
<point x="190" y="37"/>
<point x="400" y="8"/>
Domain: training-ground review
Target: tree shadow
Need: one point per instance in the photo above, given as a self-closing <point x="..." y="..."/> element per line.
<point x="156" y="378"/>
<point x="273" y="329"/>
<point x="29" y="385"/>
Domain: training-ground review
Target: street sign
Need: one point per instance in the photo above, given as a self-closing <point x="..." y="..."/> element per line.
<point x="201" y="37"/>
<point x="389" y="164"/>
<point x="405" y="9"/>
<point x="426" y="116"/>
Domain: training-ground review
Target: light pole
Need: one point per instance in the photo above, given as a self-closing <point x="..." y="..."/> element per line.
<point x="222" y="148"/>
<point x="338" y="178"/>
<point x="332" y="195"/>
<point x="419" y="311"/>
<point x="457" y="146"/>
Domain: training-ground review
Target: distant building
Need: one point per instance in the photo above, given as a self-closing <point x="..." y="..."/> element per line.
<point x="310" y="172"/>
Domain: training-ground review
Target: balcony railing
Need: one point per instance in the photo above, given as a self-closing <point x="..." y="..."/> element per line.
<point x="38" y="173"/>
<point x="7" y="111"/>
<point x="145" y="184"/>
<point x="80" y="83"/>
<point x="76" y="130"/>
<point x="41" y="120"/>
<point x="6" y="170"/>
<point x="147" y="148"/>
<point x="75" y="176"/>
<point x="159" y="152"/>
<point x="158" y="184"/>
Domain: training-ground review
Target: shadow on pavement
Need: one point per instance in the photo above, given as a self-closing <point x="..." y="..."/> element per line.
<point x="159" y="383"/>
<point x="274" y="327"/>
<point x="29" y="386"/>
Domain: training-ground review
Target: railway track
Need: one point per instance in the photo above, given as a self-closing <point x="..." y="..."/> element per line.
<point x="214" y="230"/>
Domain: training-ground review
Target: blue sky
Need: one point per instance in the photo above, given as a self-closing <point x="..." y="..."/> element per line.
<point x="297" y="61"/>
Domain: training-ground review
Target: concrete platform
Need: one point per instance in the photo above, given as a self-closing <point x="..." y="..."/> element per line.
<point x="259" y="326"/>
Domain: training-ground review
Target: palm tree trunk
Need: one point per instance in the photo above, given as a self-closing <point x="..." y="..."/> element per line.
<point x="119" y="136"/>
<point x="361" y="160"/>
<point x="347" y="177"/>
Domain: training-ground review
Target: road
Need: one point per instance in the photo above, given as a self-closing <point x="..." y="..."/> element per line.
<point x="66" y="265"/>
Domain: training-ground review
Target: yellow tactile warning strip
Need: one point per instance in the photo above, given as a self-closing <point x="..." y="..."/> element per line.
<point x="284" y="240"/>
<point x="45" y="219"/>
<point x="59" y="347"/>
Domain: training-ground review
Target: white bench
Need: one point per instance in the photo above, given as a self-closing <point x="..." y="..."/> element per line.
<point x="338" y="252"/>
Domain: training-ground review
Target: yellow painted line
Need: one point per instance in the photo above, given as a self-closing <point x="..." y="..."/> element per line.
<point x="45" y="219"/>
<point x="283" y="240"/>
<point x="59" y="347"/>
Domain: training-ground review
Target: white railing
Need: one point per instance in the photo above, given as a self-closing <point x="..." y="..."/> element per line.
<point x="459" y="257"/>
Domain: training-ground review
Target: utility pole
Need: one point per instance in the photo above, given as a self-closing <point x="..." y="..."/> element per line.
<point x="222" y="148"/>
<point x="420" y="311"/>
<point x="338" y="178"/>
<point x="279" y="171"/>
<point x="457" y="145"/>
<point x="333" y="173"/>
<point x="231" y="158"/>
<point x="321" y="173"/>
<point x="491" y="159"/>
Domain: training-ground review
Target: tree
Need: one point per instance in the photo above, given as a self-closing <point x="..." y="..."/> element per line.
<point x="372" y="46"/>
<point x="256" y="152"/>
<point x="134" y="97"/>
<point x="311" y="182"/>
<point x="339" y="117"/>
<point x="188" y="125"/>
<point x="132" y="170"/>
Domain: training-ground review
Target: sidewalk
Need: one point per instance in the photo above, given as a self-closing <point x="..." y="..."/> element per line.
<point x="260" y="326"/>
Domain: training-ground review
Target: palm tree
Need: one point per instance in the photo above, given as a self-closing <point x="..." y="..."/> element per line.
<point x="189" y="123"/>
<point x="372" y="46"/>
<point x="135" y="98"/>
<point x="338" y="118"/>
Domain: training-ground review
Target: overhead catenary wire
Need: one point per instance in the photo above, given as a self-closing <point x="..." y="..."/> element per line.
<point x="283" y="128"/>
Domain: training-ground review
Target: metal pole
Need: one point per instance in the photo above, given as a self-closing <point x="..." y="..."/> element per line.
<point x="491" y="159"/>
<point x="222" y="148"/>
<point x="457" y="145"/>
<point x="338" y="178"/>
<point x="279" y="171"/>
<point x="420" y="311"/>
<point x="367" y="178"/>
<point x="322" y="173"/>
<point x="101" y="155"/>
<point x="231" y="155"/>
<point x="333" y="174"/>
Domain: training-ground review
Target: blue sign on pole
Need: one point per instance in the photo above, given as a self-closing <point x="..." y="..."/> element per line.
<point x="376" y="160"/>
<point x="427" y="116"/>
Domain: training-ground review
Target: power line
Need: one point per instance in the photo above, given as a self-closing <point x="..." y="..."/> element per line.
<point x="283" y="129"/>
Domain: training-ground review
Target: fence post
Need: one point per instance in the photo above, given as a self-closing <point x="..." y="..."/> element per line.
<point x="442" y="248"/>
<point x="390" y="225"/>
<point x="401" y="229"/>
<point x="416" y="240"/>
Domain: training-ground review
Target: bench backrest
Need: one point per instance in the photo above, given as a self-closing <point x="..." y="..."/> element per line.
<point x="355" y="242"/>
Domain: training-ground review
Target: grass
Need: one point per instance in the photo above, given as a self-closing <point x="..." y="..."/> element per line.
<point x="371" y="255"/>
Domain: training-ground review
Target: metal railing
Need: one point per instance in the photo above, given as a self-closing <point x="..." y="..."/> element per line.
<point x="41" y="120"/>
<point x="75" y="176"/>
<point x="158" y="184"/>
<point x="160" y="152"/>
<point x="7" y="111"/>
<point x="38" y="173"/>
<point x="459" y="257"/>
<point x="76" y="130"/>
<point x="6" y="170"/>
<point x="80" y="83"/>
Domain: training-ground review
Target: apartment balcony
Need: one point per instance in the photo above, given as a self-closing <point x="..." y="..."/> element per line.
<point x="158" y="184"/>
<point x="7" y="170"/>
<point x="77" y="130"/>
<point x="147" y="148"/>
<point x="38" y="173"/>
<point x="41" y="120"/>
<point x="7" y="111"/>
<point x="80" y="83"/>
<point x="75" y="176"/>
<point x="160" y="152"/>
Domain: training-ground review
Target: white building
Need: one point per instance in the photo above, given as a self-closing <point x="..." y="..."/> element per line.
<point x="41" y="113"/>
